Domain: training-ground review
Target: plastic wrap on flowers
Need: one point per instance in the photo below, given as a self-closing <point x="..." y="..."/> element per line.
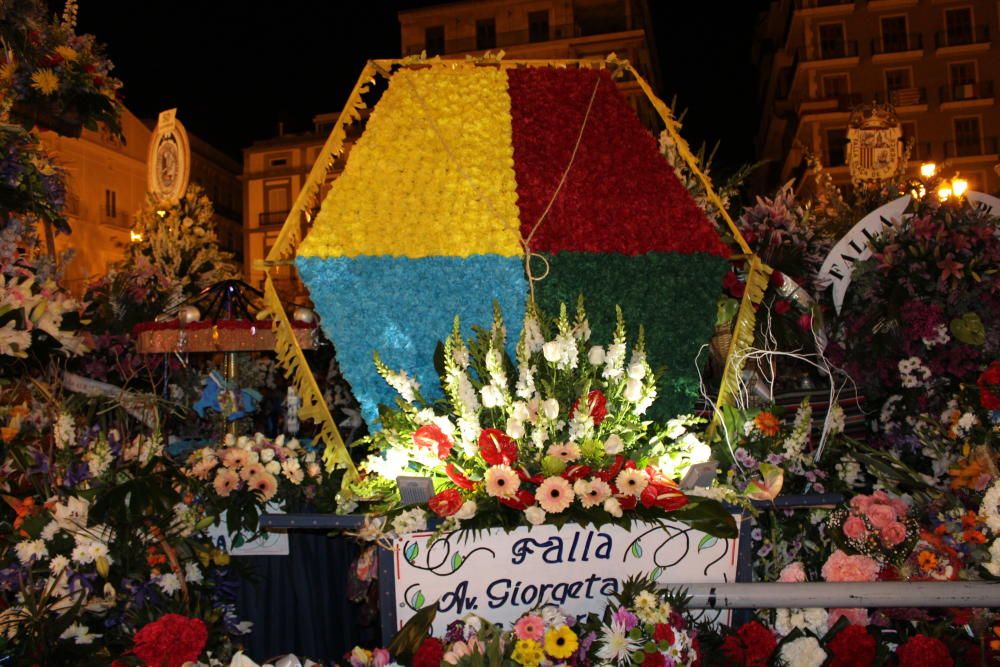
<point x="673" y="296"/>
<point x="620" y="195"/>
<point x="403" y="307"/>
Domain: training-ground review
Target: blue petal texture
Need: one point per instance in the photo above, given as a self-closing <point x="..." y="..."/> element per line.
<point x="402" y="307"/>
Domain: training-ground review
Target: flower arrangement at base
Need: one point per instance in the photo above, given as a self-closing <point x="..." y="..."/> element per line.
<point x="558" y="436"/>
<point x="243" y="474"/>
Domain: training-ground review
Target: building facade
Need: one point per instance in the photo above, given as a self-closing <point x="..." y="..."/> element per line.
<point x="543" y="30"/>
<point x="106" y="182"/>
<point x="936" y="61"/>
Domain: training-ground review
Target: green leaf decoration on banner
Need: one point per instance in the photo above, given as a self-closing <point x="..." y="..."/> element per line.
<point x="637" y="550"/>
<point x="655" y="574"/>
<point x="411" y="551"/>
<point x="456" y="562"/>
<point x="707" y="542"/>
<point x="418" y="600"/>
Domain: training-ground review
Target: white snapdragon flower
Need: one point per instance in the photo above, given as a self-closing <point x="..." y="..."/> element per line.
<point x="596" y="355"/>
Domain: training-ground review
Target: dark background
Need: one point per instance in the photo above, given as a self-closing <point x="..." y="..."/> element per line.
<point x="234" y="69"/>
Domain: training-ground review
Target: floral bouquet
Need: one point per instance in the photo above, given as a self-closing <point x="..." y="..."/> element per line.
<point x="875" y="525"/>
<point x="558" y="437"/>
<point x="241" y="475"/>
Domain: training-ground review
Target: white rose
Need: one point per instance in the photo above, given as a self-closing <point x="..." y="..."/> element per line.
<point x="520" y="411"/>
<point x="491" y="396"/>
<point x="613" y="507"/>
<point x="535" y="515"/>
<point x="614" y="444"/>
<point x="515" y="428"/>
<point x="466" y="511"/>
<point x="273" y="467"/>
<point x="596" y="355"/>
<point x="637" y="371"/>
<point x="633" y="390"/>
<point x="550" y="408"/>
<point x="552" y="351"/>
<point x="266" y="455"/>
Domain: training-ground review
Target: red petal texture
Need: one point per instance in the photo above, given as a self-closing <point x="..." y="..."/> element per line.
<point x="621" y="195"/>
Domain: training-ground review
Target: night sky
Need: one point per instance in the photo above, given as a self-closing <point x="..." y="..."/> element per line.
<point x="234" y="69"/>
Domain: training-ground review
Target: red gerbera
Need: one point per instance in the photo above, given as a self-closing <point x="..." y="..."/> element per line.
<point x="496" y="447"/>
<point x="852" y="647"/>
<point x="988" y="386"/>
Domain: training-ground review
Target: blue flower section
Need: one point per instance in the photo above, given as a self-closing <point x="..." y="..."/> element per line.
<point x="402" y="307"/>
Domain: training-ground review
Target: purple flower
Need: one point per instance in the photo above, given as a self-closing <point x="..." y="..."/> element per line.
<point x="627" y="619"/>
<point x="78" y="471"/>
<point x="744" y="458"/>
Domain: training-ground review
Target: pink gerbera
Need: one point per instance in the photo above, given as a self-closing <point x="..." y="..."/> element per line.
<point x="226" y="481"/>
<point x="502" y="481"/>
<point x="631" y="482"/>
<point x="567" y="452"/>
<point x="592" y="492"/>
<point x="554" y="494"/>
<point x="530" y="627"/>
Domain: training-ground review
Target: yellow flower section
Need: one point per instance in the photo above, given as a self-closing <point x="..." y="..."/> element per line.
<point x="433" y="173"/>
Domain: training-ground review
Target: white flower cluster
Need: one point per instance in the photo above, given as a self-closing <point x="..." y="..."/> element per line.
<point x="940" y="337"/>
<point x="849" y="471"/>
<point x="989" y="510"/>
<point x="64" y="431"/>
<point x="795" y="443"/>
<point x="813" y="620"/>
<point x="803" y="652"/>
<point x="404" y="385"/>
<point x="913" y="373"/>
<point x="410" y="521"/>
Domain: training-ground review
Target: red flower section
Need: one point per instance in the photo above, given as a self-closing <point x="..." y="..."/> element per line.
<point x="852" y="647"/>
<point x="663" y="493"/>
<point x="170" y="641"/>
<point x="989" y="387"/>
<point x="751" y="646"/>
<point x="620" y="195"/>
<point x="733" y="285"/>
<point x="460" y="480"/>
<point x="598" y="406"/>
<point x="496" y="447"/>
<point x="432" y="437"/>
<point x="924" y="651"/>
<point x="446" y="503"/>
<point x="429" y="654"/>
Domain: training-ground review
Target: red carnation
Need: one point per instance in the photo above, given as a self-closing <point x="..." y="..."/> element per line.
<point x="852" y="647"/>
<point x="662" y="632"/>
<point x="777" y="278"/>
<point x="446" y="503"/>
<point x="987" y="383"/>
<point x="429" y="654"/>
<point x="751" y="646"/>
<point x="460" y="480"/>
<point x="732" y="284"/>
<point x="627" y="502"/>
<point x="654" y="660"/>
<point x="170" y="641"/>
<point x="805" y="321"/>
<point x="598" y="406"/>
<point x="781" y="306"/>
<point x="496" y="447"/>
<point x="430" y="436"/>
<point x="924" y="651"/>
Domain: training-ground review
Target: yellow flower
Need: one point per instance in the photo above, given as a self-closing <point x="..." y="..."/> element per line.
<point x="528" y="653"/>
<point x="45" y="81"/>
<point x="561" y="642"/>
<point x="7" y="71"/>
<point x="67" y="52"/>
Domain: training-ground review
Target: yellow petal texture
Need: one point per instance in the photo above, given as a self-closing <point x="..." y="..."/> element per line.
<point x="433" y="173"/>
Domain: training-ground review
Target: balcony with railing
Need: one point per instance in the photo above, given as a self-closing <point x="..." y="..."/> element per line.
<point x="842" y="103"/>
<point x="904" y="97"/>
<point x="979" y="147"/>
<point x="832" y="51"/>
<point x="966" y="92"/>
<point x="902" y="43"/>
<point x="514" y="38"/>
<point x="272" y="218"/>
<point x="802" y="5"/>
<point x="979" y="34"/>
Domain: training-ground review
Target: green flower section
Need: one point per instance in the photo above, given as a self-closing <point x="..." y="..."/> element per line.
<point x="673" y="296"/>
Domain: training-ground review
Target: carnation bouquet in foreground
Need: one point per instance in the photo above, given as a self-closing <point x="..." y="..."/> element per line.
<point x="557" y="434"/>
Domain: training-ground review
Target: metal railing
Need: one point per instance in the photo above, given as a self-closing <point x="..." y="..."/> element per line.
<point x="911" y="594"/>
<point x="513" y="38"/>
<point x="979" y="34"/>
<point x="985" y="146"/>
<point x="903" y="97"/>
<point x="848" y="49"/>
<point x="958" y="92"/>
<point x="898" y="43"/>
